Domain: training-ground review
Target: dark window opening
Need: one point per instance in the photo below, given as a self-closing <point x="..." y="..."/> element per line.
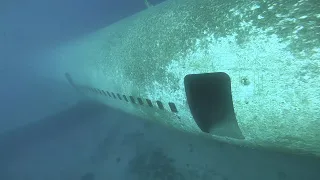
<point x="160" y="105"/>
<point x="69" y="79"/>
<point x="104" y="93"/>
<point x="149" y="102"/>
<point x="109" y="93"/>
<point x="114" y="96"/>
<point x="173" y="107"/>
<point x="140" y="101"/>
<point x="125" y="98"/>
<point x="100" y="91"/>
<point x="132" y="100"/>
<point x="119" y="96"/>
<point x="210" y="102"/>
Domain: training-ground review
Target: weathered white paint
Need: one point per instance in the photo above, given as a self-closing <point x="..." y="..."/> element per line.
<point x="273" y="46"/>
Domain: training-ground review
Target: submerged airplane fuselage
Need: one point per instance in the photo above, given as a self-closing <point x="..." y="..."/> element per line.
<point x="244" y="72"/>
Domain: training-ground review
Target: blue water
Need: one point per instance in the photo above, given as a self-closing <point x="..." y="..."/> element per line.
<point x="46" y="135"/>
<point x="26" y="28"/>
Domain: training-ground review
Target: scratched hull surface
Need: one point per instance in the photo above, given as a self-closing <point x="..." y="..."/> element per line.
<point x="270" y="50"/>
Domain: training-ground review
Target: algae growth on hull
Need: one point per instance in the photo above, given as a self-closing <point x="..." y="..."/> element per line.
<point x="269" y="49"/>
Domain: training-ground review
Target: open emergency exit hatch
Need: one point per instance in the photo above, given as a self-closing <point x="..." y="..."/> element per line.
<point x="210" y="102"/>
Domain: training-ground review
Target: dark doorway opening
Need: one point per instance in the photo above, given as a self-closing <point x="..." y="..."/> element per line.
<point x="210" y="102"/>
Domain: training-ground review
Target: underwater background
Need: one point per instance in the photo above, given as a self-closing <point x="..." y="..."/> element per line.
<point x="46" y="134"/>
